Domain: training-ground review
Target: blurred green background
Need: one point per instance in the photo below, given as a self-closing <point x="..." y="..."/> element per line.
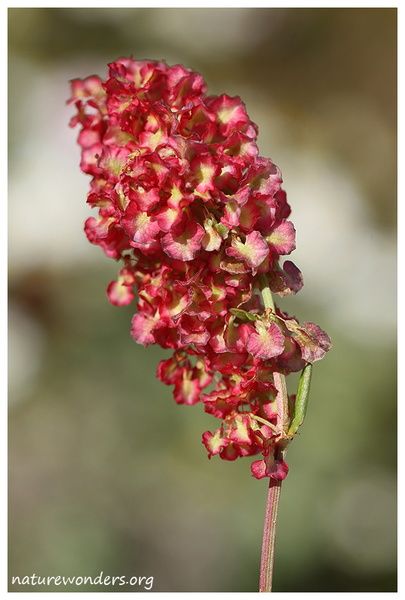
<point x="106" y="472"/>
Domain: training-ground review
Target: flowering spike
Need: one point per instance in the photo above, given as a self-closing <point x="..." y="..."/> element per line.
<point x="198" y="219"/>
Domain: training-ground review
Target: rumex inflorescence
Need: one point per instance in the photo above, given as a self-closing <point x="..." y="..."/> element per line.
<point x="197" y="218"/>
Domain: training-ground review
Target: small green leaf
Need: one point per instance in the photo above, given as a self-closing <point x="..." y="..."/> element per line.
<point x="243" y="315"/>
<point x="301" y="401"/>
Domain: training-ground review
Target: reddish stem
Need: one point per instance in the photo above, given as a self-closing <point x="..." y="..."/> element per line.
<point x="273" y="495"/>
<point x="269" y="536"/>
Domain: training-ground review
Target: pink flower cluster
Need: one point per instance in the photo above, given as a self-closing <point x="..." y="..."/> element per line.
<point x="197" y="218"/>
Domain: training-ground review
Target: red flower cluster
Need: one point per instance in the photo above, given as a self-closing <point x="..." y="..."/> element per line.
<point x="197" y="217"/>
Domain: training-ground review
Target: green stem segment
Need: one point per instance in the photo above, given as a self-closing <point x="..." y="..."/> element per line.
<point x="266" y="293"/>
<point x="279" y="378"/>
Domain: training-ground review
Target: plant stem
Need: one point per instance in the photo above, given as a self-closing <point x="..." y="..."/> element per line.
<point x="273" y="495"/>
<point x="269" y="536"/>
<point x="266" y="293"/>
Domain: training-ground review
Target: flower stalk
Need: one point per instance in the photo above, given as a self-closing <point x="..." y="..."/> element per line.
<point x="269" y="536"/>
<point x="274" y="489"/>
